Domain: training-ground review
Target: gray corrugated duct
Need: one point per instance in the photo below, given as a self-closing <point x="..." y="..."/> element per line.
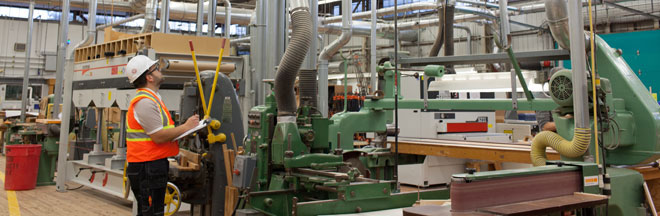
<point x="301" y="38"/>
<point x="440" y="37"/>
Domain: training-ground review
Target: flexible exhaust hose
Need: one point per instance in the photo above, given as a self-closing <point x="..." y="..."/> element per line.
<point x="574" y="148"/>
<point x="301" y="38"/>
<point x="449" y="36"/>
<point x="439" y="38"/>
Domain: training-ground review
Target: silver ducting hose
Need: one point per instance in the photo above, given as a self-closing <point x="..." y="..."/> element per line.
<point x="301" y="38"/>
<point x="557" y="16"/>
<point x="150" y="16"/>
<point x="439" y="38"/>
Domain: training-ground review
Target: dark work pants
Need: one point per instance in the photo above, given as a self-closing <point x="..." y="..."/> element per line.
<point x="148" y="183"/>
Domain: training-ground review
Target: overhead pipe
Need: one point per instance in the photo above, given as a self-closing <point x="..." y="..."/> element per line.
<point x="505" y="30"/>
<point x="301" y="38"/>
<point x="129" y="19"/>
<point x="432" y="6"/>
<point x="582" y="132"/>
<point x="579" y="66"/>
<point x="440" y="36"/>
<point x="227" y="18"/>
<point x="310" y="59"/>
<point x="210" y="19"/>
<point x="28" y="52"/>
<point x="384" y="11"/>
<point x="330" y="50"/>
<point x="469" y="37"/>
<point x="68" y="92"/>
<point x="488" y="5"/>
<point x="200" y="18"/>
<point x="344" y="38"/>
<point x="373" y="53"/>
<point x="449" y="34"/>
<point x="150" y="16"/>
<point x="557" y="15"/>
<point x="165" y="16"/>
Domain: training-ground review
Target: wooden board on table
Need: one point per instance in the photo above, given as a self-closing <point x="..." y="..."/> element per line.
<point x="549" y="205"/>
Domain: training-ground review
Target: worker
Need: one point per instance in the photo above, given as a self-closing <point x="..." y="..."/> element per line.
<point x="150" y="134"/>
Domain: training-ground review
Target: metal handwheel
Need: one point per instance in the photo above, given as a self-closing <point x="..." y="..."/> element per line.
<point x="172" y="199"/>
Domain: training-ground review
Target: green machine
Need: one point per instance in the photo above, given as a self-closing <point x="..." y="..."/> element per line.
<point x="296" y="162"/>
<point x="48" y="158"/>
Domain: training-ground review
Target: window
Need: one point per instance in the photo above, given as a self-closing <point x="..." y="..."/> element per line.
<point x="14" y="92"/>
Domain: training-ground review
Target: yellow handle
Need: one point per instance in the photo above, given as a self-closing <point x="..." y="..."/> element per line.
<point x="207" y="110"/>
<point x="199" y="82"/>
<point x="217" y="70"/>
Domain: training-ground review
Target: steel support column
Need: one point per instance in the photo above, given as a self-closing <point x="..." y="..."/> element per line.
<point x="28" y="52"/>
<point x="61" y="55"/>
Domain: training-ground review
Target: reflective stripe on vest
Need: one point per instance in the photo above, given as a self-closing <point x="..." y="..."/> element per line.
<point x="140" y="146"/>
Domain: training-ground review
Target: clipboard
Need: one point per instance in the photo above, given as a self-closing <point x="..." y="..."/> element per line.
<point x="202" y="124"/>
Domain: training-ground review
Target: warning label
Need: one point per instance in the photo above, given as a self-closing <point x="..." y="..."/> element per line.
<point x="590" y="181"/>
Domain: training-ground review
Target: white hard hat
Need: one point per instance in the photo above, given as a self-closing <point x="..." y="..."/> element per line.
<point x="137" y="66"/>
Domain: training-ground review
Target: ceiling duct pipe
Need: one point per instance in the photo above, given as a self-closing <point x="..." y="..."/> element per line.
<point x="469" y="37"/>
<point x="384" y="11"/>
<point x="557" y="15"/>
<point x="301" y="38"/>
<point x="165" y="16"/>
<point x="150" y="16"/>
<point x="330" y="50"/>
<point x="199" y="17"/>
<point x="227" y="18"/>
<point x="440" y="37"/>
<point x="130" y="19"/>
<point x="210" y="19"/>
<point x="449" y="35"/>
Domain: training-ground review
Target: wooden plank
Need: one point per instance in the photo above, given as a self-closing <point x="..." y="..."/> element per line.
<point x="173" y="43"/>
<point x="225" y="153"/>
<point x="496" y="152"/>
<point x="191" y="156"/>
<point x="549" y="205"/>
<point x="231" y="198"/>
<point x="232" y="158"/>
<point x="649" y="173"/>
<point x="233" y="141"/>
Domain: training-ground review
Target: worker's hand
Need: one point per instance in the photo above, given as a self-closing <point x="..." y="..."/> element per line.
<point x="192" y="122"/>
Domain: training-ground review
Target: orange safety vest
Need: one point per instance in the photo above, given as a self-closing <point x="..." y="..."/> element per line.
<point x="139" y="146"/>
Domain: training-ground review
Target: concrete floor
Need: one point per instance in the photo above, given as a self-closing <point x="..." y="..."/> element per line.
<point x="44" y="200"/>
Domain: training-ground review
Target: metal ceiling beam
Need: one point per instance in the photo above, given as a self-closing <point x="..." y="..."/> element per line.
<point x="613" y="4"/>
<point x="546" y="55"/>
